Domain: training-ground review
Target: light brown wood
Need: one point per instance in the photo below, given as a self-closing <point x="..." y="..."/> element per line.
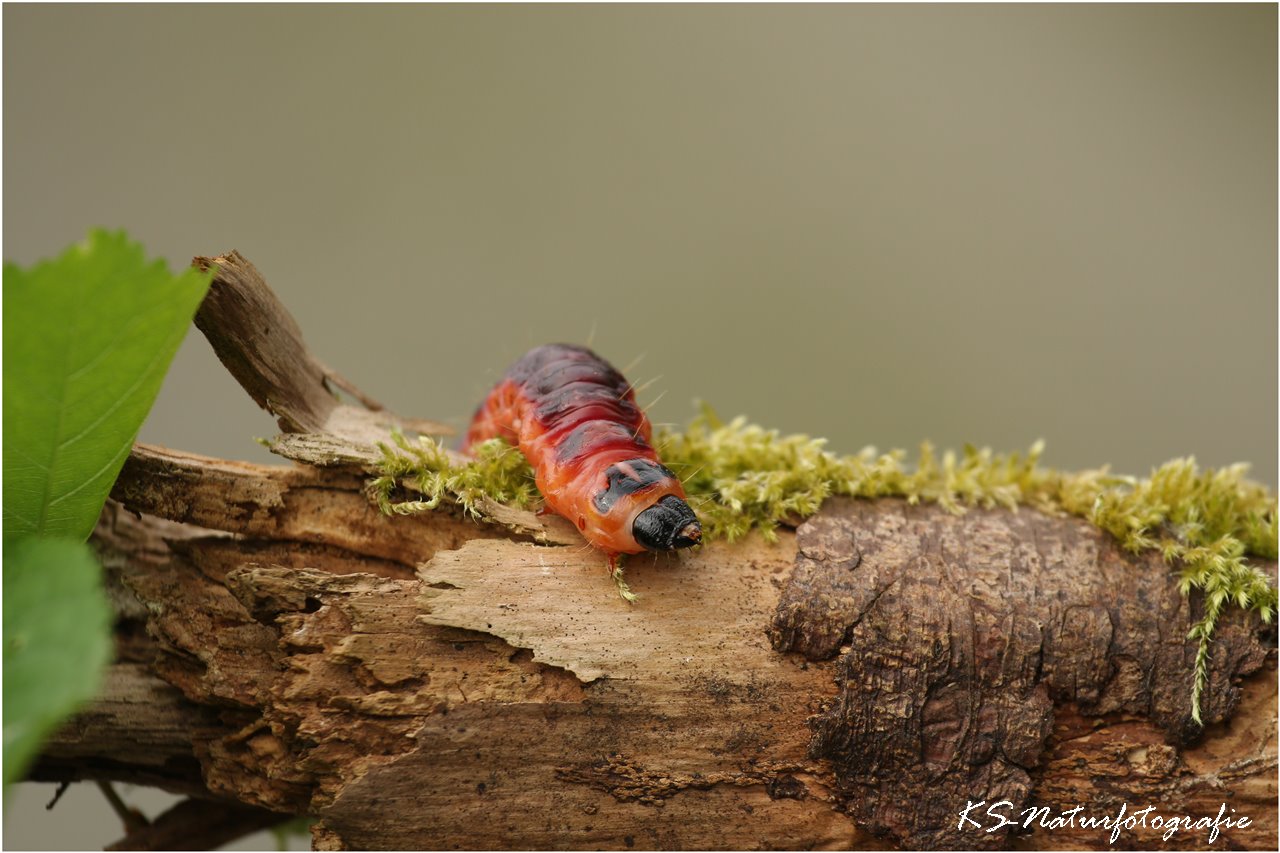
<point x="432" y="681"/>
<point x="505" y="682"/>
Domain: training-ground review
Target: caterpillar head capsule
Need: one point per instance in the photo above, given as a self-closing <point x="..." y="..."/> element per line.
<point x="667" y="525"/>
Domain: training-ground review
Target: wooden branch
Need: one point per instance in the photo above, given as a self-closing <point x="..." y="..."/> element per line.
<point x="138" y="730"/>
<point x="426" y="681"/>
<point x="197" y="824"/>
<point x="364" y="699"/>
<point x="260" y="343"/>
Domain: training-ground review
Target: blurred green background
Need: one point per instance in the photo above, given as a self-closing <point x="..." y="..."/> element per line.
<point x="876" y="224"/>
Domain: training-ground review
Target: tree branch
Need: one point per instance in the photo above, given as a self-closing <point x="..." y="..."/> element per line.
<point x="427" y="681"/>
<point x="260" y="343"/>
<point x="198" y="825"/>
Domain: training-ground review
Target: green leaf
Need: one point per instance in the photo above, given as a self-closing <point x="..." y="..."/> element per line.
<point x="88" y="337"/>
<point x="57" y="639"/>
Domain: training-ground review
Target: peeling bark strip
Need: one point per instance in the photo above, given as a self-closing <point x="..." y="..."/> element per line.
<point x="424" y="682"/>
<point x="300" y="508"/>
<point x="957" y="636"/>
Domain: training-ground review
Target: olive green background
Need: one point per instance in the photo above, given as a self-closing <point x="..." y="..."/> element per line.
<point x="876" y="224"/>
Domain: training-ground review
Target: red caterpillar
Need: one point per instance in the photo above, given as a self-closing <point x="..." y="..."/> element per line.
<point x="575" y="419"/>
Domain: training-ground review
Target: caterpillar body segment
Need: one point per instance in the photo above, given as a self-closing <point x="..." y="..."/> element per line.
<point x="575" y="419"/>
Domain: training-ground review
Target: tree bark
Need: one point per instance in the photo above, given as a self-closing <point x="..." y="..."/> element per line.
<point x="431" y="681"/>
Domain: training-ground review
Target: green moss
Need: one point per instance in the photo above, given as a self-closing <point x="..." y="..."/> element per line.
<point x="740" y="477"/>
<point x="498" y="472"/>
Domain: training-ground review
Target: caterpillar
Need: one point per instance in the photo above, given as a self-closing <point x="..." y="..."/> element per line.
<point x="575" y="418"/>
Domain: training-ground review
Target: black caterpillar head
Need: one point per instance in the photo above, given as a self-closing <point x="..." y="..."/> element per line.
<point x="667" y="525"/>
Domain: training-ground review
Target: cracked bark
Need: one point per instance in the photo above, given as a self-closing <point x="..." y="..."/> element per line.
<point x="432" y="682"/>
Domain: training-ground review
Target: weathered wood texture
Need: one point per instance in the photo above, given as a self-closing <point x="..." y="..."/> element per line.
<point x="432" y="682"/>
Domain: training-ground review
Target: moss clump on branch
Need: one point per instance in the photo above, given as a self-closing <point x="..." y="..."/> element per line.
<point x="499" y="472"/>
<point x="741" y="477"/>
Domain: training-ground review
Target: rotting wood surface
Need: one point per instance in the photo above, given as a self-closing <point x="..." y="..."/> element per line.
<point x="431" y="682"/>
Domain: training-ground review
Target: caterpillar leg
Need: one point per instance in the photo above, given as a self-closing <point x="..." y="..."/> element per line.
<point x="615" y="572"/>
